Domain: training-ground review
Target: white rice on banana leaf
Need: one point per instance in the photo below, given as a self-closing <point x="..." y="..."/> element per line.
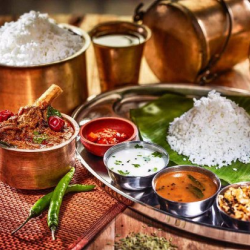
<point x="215" y="132"/>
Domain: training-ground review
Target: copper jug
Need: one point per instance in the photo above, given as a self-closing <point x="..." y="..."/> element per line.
<point x="192" y="40"/>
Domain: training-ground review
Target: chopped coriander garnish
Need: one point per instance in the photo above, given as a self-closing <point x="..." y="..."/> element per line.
<point x="139" y="155"/>
<point x="39" y="138"/>
<point x="138" y="146"/>
<point x="136" y="165"/>
<point x="113" y="155"/>
<point x="122" y="173"/>
<point x="155" y="169"/>
<point x="117" y="162"/>
<point x="157" y="154"/>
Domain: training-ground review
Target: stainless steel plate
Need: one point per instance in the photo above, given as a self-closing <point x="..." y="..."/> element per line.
<point x="118" y="103"/>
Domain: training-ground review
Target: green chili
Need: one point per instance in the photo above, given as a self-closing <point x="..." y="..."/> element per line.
<point x="56" y="201"/>
<point x="43" y="203"/>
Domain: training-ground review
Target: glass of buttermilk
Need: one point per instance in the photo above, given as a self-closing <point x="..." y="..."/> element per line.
<point x="119" y="48"/>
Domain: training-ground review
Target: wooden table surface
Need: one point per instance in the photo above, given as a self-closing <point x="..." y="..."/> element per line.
<point x="130" y="221"/>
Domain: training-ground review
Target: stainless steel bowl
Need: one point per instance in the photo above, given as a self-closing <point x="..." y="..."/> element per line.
<point x="133" y="182"/>
<point x="230" y="221"/>
<point x="187" y="209"/>
<point x="38" y="168"/>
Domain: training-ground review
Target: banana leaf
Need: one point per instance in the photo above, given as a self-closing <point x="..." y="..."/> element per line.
<point x="153" y="121"/>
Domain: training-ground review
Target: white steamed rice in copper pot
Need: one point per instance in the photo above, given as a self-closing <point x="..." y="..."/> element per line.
<point x="35" y="39"/>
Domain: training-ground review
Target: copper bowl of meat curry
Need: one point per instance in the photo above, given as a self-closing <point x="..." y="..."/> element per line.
<point x="37" y="167"/>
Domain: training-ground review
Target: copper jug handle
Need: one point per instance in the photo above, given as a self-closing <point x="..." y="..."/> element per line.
<point x="139" y="13"/>
<point x="206" y="76"/>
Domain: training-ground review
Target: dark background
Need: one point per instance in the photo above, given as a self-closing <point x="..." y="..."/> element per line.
<point x="79" y="7"/>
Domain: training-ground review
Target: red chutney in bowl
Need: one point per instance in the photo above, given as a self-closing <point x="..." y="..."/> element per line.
<point x="107" y="136"/>
<point x="98" y="135"/>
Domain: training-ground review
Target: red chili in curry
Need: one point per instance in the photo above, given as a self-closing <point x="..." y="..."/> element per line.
<point x="5" y="115"/>
<point x="106" y="136"/>
<point x="56" y="123"/>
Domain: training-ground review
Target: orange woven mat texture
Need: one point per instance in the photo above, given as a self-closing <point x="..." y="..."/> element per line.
<point x="82" y="216"/>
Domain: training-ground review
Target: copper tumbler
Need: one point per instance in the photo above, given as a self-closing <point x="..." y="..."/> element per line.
<point x="118" y="48"/>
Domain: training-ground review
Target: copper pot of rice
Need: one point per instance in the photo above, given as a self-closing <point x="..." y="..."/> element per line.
<point x="193" y="39"/>
<point x="22" y="85"/>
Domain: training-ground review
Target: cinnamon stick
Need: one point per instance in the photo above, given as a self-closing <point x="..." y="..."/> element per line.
<point x="49" y="95"/>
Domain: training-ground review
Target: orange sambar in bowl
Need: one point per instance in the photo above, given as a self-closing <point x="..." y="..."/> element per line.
<point x="185" y="186"/>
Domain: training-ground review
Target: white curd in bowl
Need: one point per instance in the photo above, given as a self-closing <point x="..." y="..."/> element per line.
<point x="136" y="161"/>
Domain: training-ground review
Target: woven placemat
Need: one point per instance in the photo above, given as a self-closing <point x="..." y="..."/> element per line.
<point x="82" y="216"/>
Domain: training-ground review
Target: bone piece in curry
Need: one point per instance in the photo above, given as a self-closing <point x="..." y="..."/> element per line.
<point x="49" y="95"/>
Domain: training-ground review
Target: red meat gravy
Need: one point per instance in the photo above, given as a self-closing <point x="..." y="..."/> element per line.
<point x="29" y="130"/>
<point x="179" y="186"/>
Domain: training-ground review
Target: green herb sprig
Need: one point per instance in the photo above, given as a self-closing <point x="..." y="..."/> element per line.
<point x="53" y="112"/>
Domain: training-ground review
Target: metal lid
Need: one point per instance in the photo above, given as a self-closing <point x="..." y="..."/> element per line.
<point x="177" y="48"/>
<point x="188" y="38"/>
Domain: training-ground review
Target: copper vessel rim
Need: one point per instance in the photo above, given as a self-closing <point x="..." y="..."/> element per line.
<point x="76" y="132"/>
<point x="147" y="29"/>
<point x="78" y="31"/>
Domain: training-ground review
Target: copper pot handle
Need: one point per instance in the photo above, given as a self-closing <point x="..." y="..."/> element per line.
<point x="139" y="13"/>
<point x="206" y="76"/>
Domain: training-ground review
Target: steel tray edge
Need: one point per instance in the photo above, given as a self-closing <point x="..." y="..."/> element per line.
<point x="221" y="234"/>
